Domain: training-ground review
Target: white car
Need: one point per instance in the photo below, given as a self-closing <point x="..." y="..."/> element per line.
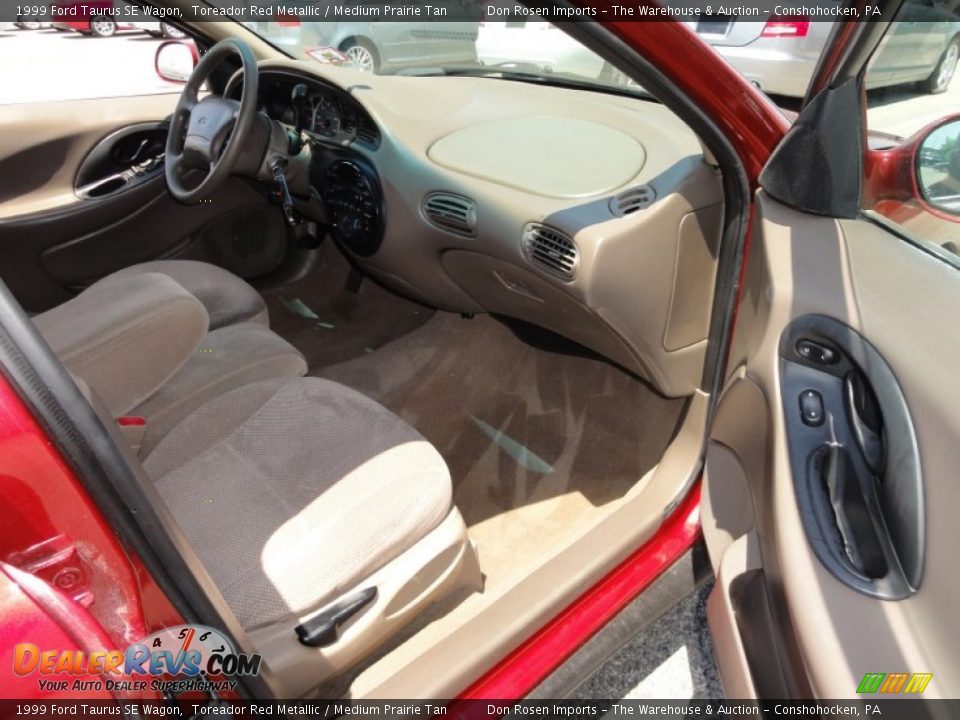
<point x="538" y="43"/>
<point x="160" y="29"/>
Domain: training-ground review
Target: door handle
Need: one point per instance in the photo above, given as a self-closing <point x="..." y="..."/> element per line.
<point x="134" y="157"/>
<point x="848" y="496"/>
<point x="135" y="149"/>
<point x="865" y="421"/>
<point x="854" y="458"/>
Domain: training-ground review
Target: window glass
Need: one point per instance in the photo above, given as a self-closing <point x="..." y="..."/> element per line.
<point x="493" y="47"/>
<point x="81" y="58"/>
<point x="913" y="122"/>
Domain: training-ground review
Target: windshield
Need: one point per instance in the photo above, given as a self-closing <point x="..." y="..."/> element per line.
<point x="529" y="50"/>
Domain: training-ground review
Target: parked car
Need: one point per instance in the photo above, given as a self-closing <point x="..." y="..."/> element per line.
<point x="570" y="352"/>
<point x="536" y="43"/>
<point x="380" y="46"/>
<point x="779" y="55"/>
<point x="76" y="15"/>
<point x="160" y="29"/>
<point x="25" y="24"/>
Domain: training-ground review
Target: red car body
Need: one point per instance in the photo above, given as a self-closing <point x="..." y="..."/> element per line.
<point x="72" y="15"/>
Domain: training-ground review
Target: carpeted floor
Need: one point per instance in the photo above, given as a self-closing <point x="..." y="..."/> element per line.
<point x="542" y="437"/>
<point x="330" y="323"/>
<point x="525" y="420"/>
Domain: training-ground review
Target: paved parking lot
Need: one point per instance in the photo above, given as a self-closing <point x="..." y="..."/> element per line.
<point x="903" y="110"/>
<point x="49" y="65"/>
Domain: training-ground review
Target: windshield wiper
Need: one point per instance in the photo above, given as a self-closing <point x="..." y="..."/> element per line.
<point x="518" y="72"/>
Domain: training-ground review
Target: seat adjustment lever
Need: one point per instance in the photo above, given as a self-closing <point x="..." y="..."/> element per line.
<point x="324" y="628"/>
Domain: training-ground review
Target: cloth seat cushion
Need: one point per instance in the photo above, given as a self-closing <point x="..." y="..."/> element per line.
<point x="227" y="298"/>
<point x="226" y="358"/>
<point x="291" y="491"/>
<point x="126" y="338"/>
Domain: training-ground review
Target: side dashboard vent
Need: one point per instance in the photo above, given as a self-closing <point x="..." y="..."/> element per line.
<point x="551" y="249"/>
<point x="454" y="213"/>
<point x="629" y="201"/>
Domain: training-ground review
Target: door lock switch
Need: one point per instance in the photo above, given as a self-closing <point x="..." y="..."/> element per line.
<point x="816" y="352"/>
<point x="811" y="408"/>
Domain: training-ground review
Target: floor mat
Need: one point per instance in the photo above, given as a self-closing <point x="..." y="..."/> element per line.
<point x="329" y="323"/>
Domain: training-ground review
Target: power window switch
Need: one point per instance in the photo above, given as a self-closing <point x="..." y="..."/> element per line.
<point x="811" y="408"/>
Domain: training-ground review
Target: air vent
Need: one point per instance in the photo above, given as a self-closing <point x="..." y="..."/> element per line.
<point x="551" y="249"/>
<point x="450" y="212"/>
<point x="629" y="201"/>
<point x="367" y="131"/>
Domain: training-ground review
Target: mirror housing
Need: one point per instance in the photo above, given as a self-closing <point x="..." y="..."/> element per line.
<point x="175" y="60"/>
<point x="937" y="166"/>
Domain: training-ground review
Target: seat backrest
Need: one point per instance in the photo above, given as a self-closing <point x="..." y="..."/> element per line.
<point x="125" y="337"/>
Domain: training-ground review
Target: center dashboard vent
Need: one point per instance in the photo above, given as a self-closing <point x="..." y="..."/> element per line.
<point x="453" y="213"/>
<point x="551" y="249"/>
<point x="629" y="201"/>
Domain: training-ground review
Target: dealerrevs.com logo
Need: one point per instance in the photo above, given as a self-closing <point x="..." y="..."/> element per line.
<point x="177" y="659"/>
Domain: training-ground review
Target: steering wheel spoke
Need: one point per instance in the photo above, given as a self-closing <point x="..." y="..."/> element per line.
<point x="208" y="135"/>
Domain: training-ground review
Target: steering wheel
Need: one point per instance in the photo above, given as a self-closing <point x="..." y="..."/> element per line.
<point x="209" y="135"/>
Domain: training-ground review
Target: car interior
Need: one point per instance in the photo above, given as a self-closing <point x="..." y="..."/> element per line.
<point x="397" y="353"/>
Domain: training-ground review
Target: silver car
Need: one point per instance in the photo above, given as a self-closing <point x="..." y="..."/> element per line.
<point x="379" y="46"/>
<point x="779" y="55"/>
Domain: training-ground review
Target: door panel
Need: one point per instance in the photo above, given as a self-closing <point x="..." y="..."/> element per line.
<point x="893" y="301"/>
<point x="73" y="209"/>
<point x="40" y="157"/>
<point x="122" y="160"/>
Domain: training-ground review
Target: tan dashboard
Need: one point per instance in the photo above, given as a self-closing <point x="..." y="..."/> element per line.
<point x="594" y="215"/>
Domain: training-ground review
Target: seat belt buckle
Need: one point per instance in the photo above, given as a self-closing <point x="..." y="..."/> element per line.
<point x="132" y="428"/>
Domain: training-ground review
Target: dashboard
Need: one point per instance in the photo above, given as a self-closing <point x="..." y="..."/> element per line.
<point x="327" y="113"/>
<point x="593" y="215"/>
<point x="345" y="179"/>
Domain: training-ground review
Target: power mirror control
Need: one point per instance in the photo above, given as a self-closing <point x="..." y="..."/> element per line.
<point x="816" y="352"/>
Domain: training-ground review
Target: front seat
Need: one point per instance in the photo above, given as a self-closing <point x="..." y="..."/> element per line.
<point x="141" y="340"/>
<point x="227" y="298"/>
<point x="324" y="519"/>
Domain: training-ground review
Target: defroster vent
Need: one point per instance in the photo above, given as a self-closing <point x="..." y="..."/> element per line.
<point x="629" y="201"/>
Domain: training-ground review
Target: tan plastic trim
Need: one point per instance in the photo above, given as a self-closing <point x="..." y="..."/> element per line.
<point x="741" y="556"/>
<point x="898" y="297"/>
<point x="655" y="315"/>
<point x="442" y="562"/>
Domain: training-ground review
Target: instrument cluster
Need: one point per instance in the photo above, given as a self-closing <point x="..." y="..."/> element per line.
<point x="334" y="117"/>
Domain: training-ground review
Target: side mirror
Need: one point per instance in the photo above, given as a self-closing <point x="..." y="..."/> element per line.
<point x="175" y="60"/>
<point x="937" y="167"/>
